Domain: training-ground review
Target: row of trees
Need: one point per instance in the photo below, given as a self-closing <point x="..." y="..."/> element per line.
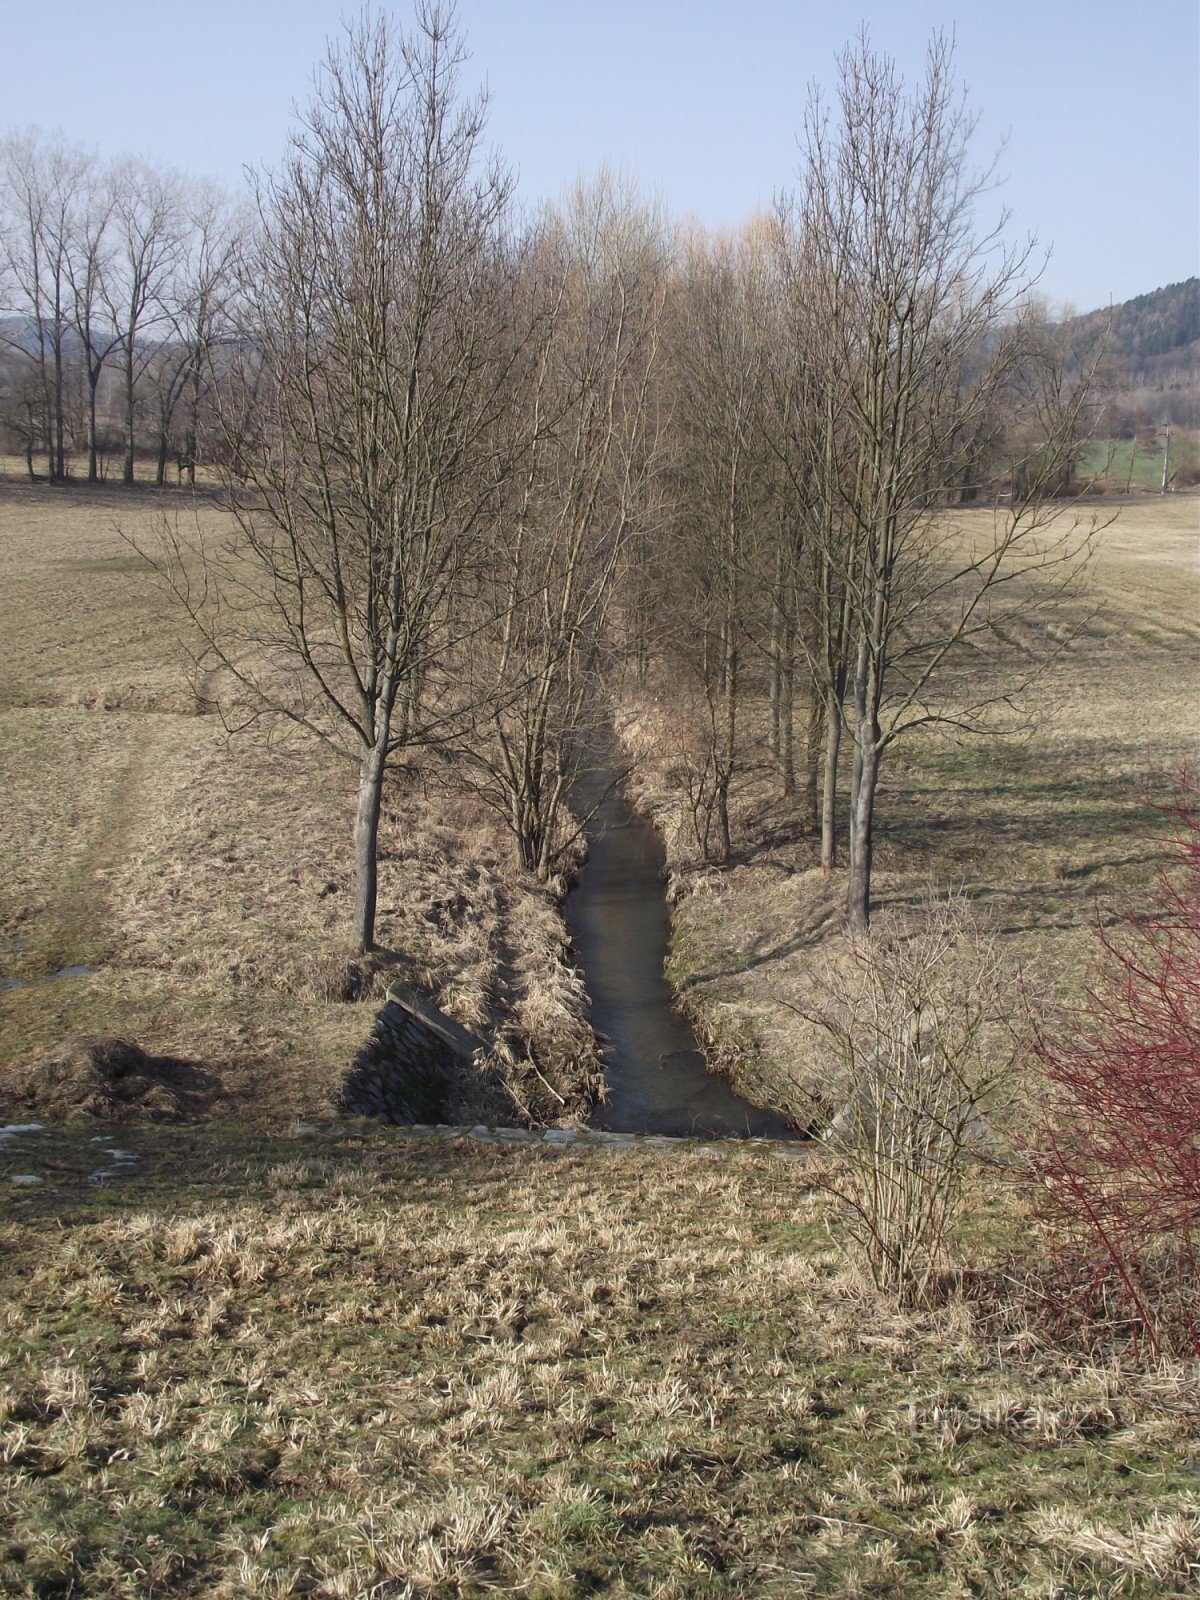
<point x="835" y="378"/>
<point x="476" y="458"/>
<point x="115" y="287"/>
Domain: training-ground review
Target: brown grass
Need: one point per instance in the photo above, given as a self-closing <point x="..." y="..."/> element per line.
<point x="1047" y="829"/>
<point x="207" y="880"/>
<point x="351" y="1364"/>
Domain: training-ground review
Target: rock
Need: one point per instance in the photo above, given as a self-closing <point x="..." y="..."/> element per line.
<point x="15" y="1129"/>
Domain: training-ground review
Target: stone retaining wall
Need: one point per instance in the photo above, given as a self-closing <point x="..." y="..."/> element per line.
<point x="413" y="1066"/>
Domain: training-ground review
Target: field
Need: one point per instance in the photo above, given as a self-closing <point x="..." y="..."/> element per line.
<point x="201" y="883"/>
<point x="347" y="1364"/>
<point x="1048" y="830"/>
<point x="1121" y="465"/>
<point x="260" y="1353"/>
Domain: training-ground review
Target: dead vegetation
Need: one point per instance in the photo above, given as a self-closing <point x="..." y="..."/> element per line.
<point x="114" y="1080"/>
<point x="204" y="883"/>
<point x="354" y="1364"/>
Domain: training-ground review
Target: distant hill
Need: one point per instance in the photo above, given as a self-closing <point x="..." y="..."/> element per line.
<point x="1150" y="372"/>
<point x="1155" y="324"/>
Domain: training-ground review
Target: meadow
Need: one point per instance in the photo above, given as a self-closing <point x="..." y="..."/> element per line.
<point x="345" y="1363"/>
<point x="1118" y="466"/>
<point x="197" y="885"/>
<point x="268" y="1353"/>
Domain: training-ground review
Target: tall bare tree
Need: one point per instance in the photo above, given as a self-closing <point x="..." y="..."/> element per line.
<point x="381" y="350"/>
<point x="41" y="186"/>
<point x="577" y="422"/>
<point x="722" y="495"/>
<point x="922" y="315"/>
<point x="147" y="226"/>
<point x="199" y="307"/>
<point x="89" y="267"/>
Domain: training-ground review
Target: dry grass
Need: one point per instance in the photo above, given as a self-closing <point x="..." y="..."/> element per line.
<point x="342" y="1363"/>
<point x="353" y="1365"/>
<point x="208" y="881"/>
<point x="1046" y="830"/>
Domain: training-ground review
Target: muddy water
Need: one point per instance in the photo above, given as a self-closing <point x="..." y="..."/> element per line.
<point x="617" y="915"/>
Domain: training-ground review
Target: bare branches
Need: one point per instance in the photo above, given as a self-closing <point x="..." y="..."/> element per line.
<point x="912" y="321"/>
<point x="920" y="1054"/>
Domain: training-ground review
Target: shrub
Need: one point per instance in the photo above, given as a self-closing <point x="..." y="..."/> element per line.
<point x="1121" y="1156"/>
<point x="921" y="1049"/>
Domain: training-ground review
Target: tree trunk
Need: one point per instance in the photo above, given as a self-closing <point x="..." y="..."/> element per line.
<point x="193" y="426"/>
<point x="833" y="747"/>
<point x="160" y="465"/>
<point x="813" y="740"/>
<point x="858" y="894"/>
<point x="729" y="676"/>
<point x="725" y="834"/>
<point x="127" y="474"/>
<point x="51" y="470"/>
<point x="60" y="451"/>
<point x="787" y="731"/>
<point x="93" y="464"/>
<point x="366" y="844"/>
<point x="776" y="653"/>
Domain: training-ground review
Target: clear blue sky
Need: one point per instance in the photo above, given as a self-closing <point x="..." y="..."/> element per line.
<point x="1100" y="102"/>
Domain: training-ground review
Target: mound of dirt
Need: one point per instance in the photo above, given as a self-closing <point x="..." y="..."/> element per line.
<point x="93" y="1075"/>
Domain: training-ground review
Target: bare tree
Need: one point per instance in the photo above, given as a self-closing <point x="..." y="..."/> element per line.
<point x="147" y="230"/>
<point x="809" y="438"/>
<point x="922" y="316"/>
<point x="381" y="348"/>
<point x="576" y="423"/>
<point x="722" y="493"/>
<point x="41" y="186"/>
<point x="198" y="303"/>
<point x="88" y="267"/>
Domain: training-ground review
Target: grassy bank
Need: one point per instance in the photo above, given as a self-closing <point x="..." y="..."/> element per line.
<point x="343" y="1364"/>
<point x="204" y="882"/>
<point x="1048" y="830"/>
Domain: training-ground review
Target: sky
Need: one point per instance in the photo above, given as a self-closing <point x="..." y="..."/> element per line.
<point x="1096" y="104"/>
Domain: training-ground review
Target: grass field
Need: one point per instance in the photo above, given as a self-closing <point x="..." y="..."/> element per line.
<point x="204" y="883"/>
<point x="1048" y="830"/>
<point x="350" y="1364"/>
<point x="1121" y="465"/>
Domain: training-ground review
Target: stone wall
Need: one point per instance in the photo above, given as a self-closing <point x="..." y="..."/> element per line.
<point x="413" y="1067"/>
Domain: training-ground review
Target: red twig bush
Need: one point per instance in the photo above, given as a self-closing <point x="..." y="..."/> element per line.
<point x="1121" y="1159"/>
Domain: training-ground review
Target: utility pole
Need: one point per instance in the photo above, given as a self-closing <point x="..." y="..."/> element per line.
<point x="1166" y="478"/>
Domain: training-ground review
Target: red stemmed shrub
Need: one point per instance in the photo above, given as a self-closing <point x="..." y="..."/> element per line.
<point x="1121" y="1155"/>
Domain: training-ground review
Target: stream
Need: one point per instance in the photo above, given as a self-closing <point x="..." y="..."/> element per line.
<point x="657" y="1078"/>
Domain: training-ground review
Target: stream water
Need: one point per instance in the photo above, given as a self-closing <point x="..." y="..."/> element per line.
<point x="617" y="915"/>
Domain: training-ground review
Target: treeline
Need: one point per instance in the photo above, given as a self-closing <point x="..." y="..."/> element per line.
<point x="117" y="283"/>
<point x="481" y="462"/>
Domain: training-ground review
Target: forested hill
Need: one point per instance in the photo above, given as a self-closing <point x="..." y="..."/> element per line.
<point x="1157" y="324"/>
<point x="1151" y="363"/>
